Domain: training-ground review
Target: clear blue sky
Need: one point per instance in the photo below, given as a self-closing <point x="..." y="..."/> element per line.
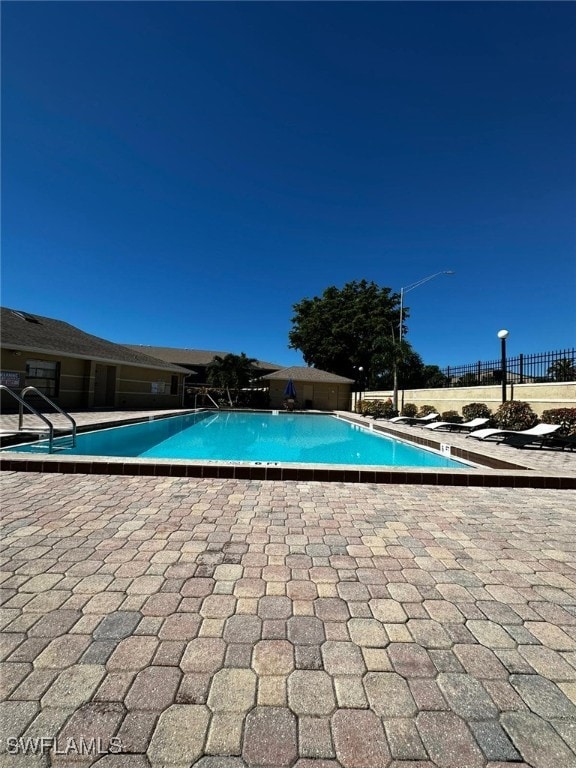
<point x="181" y="174"/>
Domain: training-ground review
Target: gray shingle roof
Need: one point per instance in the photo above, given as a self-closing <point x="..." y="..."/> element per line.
<point x="304" y="374"/>
<point x="190" y="356"/>
<point x="34" y="333"/>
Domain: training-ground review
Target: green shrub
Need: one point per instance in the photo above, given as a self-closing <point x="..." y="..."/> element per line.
<point x="566" y="417"/>
<point x="366" y="407"/>
<point x="515" y="415"/>
<point x="453" y="417"/>
<point x="425" y="410"/>
<point x="370" y="408"/>
<point x="476" y="411"/>
<point x="410" y="410"/>
<point x="377" y="409"/>
<point x="386" y="409"/>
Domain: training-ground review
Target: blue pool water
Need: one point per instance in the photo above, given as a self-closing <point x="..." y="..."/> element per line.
<point x="254" y="437"/>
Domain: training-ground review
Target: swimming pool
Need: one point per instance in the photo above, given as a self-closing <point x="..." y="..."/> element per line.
<point x="250" y="437"/>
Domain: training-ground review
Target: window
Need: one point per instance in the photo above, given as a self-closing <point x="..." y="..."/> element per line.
<point x="174" y="385"/>
<point x="44" y="375"/>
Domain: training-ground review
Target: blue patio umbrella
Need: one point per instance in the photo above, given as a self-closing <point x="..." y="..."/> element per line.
<point x="290" y="390"/>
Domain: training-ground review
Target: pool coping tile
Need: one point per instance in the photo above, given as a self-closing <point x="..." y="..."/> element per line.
<point x="487" y="470"/>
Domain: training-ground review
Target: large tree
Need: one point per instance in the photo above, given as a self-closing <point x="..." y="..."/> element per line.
<point x="348" y="328"/>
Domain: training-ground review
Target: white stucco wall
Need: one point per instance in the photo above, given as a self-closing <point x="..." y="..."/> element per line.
<point x="542" y="397"/>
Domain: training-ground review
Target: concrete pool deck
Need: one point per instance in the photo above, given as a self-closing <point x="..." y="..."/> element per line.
<point x="230" y="623"/>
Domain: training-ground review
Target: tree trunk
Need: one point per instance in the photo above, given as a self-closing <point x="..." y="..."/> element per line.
<point x="395" y="398"/>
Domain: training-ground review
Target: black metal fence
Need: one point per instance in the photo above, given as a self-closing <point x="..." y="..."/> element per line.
<point x="524" y="369"/>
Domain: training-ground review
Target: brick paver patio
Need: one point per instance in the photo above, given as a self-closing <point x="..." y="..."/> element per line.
<point x="230" y="624"/>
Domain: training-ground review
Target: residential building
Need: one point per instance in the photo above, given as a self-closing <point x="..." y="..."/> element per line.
<point x="78" y="370"/>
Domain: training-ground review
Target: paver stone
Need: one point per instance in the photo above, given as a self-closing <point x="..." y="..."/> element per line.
<point x="203" y="654"/>
<point x="232" y="690"/>
<point x="466" y="696"/>
<point x="342" y="658"/>
<point x="367" y="633"/>
<point x="74" y="686"/>
<point x="154" y="689"/>
<point x="273" y="657"/>
<point x="543" y="697"/>
<point x="179" y="736"/>
<point x="536" y="740"/>
<point x="310" y="692"/>
<point x="359" y="739"/>
<point x="270" y="738"/>
<point x="388" y="611"/>
<point x="389" y="695"/>
<point x="448" y="741"/>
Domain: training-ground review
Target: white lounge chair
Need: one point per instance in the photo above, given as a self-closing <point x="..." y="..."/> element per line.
<point x="414" y="419"/>
<point x="472" y="424"/>
<point x="519" y="437"/>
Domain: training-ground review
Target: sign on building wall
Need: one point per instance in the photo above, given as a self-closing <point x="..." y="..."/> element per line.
<point x="158" y="387"/>
<point x="12" y="379"/>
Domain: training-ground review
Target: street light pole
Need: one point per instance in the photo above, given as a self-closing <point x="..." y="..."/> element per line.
<point x="402" y="292"/>
<point x="503" y="335"/>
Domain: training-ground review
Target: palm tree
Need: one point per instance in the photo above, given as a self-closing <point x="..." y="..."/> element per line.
<point x="232" y="373"/>
<point x="563" y="370"/>
<point x="393" y="358"/>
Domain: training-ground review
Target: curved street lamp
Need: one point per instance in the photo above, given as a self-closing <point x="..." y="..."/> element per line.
<point x="402" y="292"/>
<point x="503" y="335"/>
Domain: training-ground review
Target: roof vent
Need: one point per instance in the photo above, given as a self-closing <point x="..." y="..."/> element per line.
<point x="26" y="316"/>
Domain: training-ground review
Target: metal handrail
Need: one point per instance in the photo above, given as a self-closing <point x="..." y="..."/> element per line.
<point x="23" y="394"/>
<point x="22" y="405"/>
<point x="204" y="394"/>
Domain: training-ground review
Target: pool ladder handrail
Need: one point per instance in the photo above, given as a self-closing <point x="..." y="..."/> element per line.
<point x="23" y="404"/>
<point x="23" y="394"/>
<point x="204" y="394"/>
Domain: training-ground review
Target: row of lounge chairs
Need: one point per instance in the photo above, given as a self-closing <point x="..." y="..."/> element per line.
<point x="430" y="423"/>
<point x="543" y="435"/>
<point x="425" y="421"/>
<point x="518" y="437"/>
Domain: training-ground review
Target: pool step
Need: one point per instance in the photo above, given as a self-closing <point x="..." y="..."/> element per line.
<point x="36" y="438"/>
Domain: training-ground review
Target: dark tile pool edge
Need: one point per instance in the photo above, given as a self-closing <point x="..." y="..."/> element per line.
<point x="457" y="453"/>
<point x="408" y="437"/>
<point x="509" y="475"/>
<point x="418" y="476"/>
